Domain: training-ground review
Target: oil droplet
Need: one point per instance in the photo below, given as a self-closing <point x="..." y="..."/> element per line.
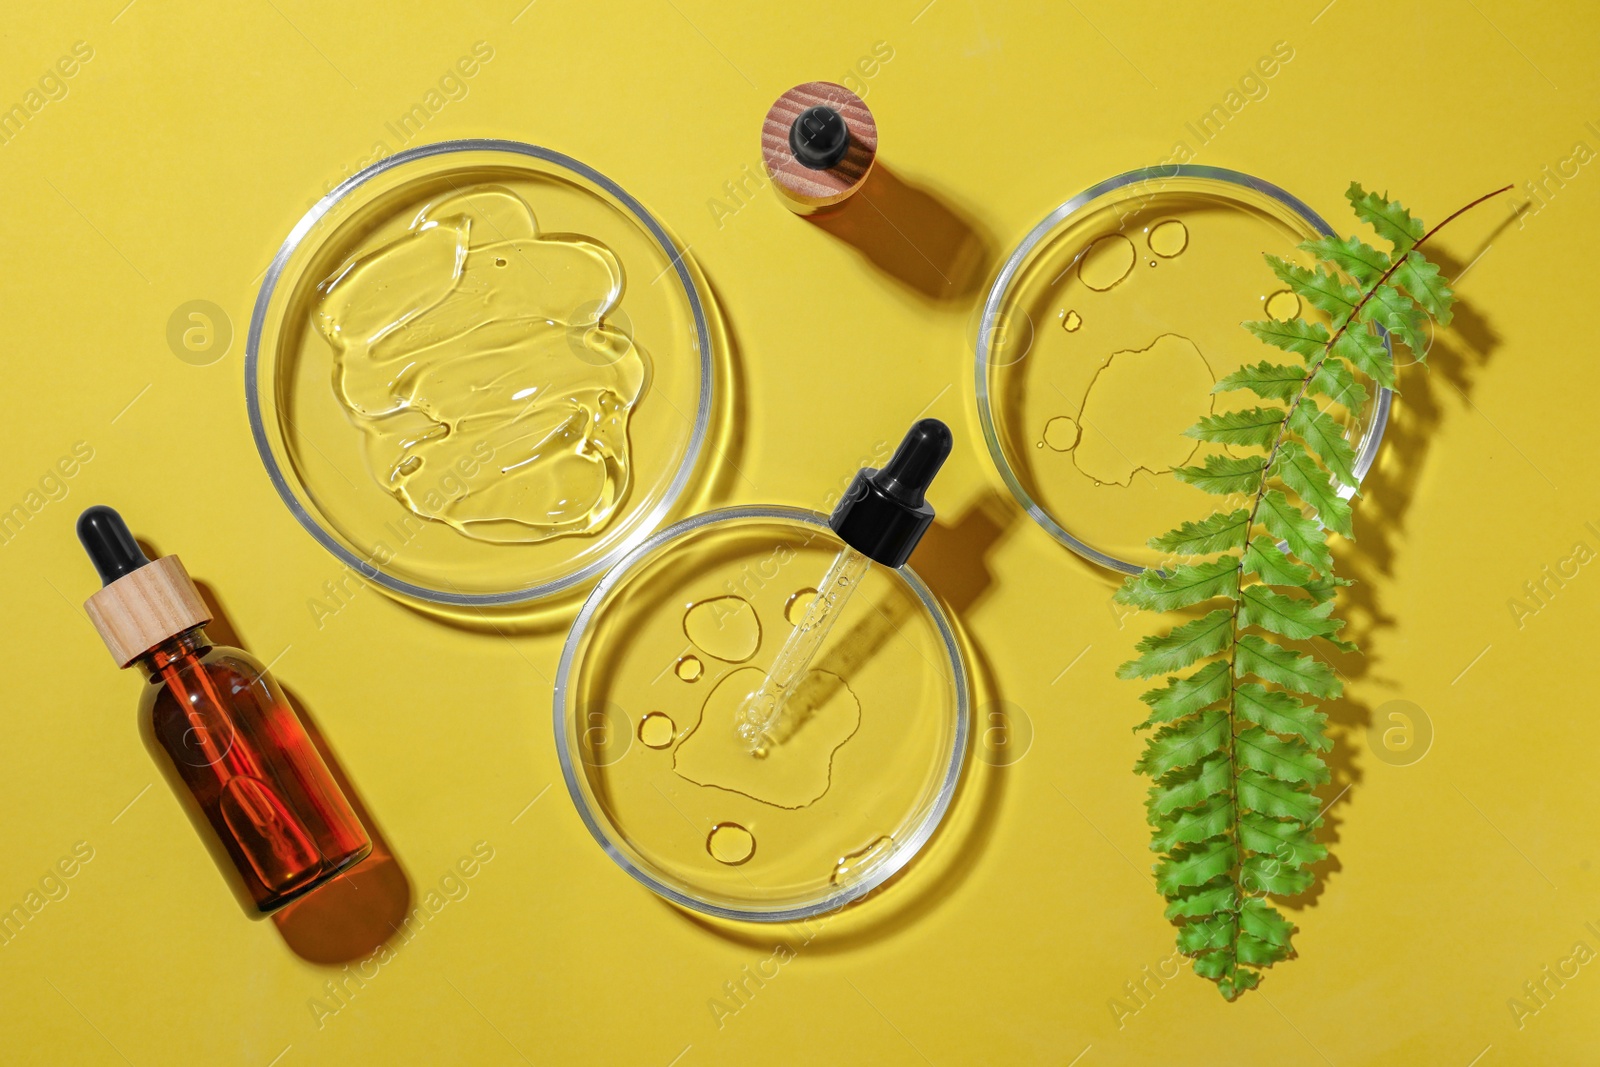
<point x="725" y="627"/>
<point x="821" y="714"/>
<point x="690" y="668"/>
<point x="1283" y="305"/>
<point x="1106" y="262"/>
<point x="1061" y="433"/>
<point x="730" y="843"/>
<point x="1168" y="238"/>
<point x="454" y="359"/>
<point x="657" y="729"/>
<point x="1152" y="262"/>
<point x="795" y="609"/>
<point x="1137" y="407"/>
<point x="1071" y="320"/>
<point x="854" y="864"/>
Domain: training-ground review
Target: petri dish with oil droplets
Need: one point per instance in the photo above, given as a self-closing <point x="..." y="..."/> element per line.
<point x="864" y="762"/>
<point x="1104" y="334"/>
<point x="479" y="372"/>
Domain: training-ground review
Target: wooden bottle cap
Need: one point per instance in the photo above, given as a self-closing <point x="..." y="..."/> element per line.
<point x="804" y="190"/>
<point x="144" y="607"/>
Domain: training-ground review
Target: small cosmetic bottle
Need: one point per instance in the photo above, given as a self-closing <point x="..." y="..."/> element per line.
<point x="239" y="756"/>
<point x="818" y="143"/>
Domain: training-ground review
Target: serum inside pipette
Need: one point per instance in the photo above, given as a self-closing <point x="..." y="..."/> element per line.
<point x="880" y="519"/>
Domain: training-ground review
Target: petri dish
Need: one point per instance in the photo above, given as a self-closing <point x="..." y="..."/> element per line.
<point x="1104" y="333"/>
<point x="650" y="681"/>
<point x="479" y="372"/>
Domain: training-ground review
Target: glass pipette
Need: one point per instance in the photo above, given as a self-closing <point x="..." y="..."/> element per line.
<point x="880" y="519"/>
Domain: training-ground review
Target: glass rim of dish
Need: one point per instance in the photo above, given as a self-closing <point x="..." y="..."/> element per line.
<point x="597" y="823"/>
<point x="1366" y="448"/>
<point x="644" y="527"/>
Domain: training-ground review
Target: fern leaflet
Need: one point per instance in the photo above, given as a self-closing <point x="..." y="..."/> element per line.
<point x="1236" y="753"/>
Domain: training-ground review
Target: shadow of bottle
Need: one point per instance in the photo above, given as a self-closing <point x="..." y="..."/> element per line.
<point x="913" y="236"/>
<point x="356" y="912"/>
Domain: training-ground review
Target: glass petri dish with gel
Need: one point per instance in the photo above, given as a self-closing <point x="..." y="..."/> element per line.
<point x="1104" y="333"/>
<point x="479" y="372"/>
<point x="647" y="704"/>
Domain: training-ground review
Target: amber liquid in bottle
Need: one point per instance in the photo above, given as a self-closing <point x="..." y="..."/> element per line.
<point x="235" y="750"/>
<point x="243" y="754"/>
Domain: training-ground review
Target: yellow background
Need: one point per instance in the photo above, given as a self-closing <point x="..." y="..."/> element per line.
<point x="196" y="136"/>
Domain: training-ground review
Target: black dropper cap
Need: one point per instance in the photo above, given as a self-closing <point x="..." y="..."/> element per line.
<point x="819" y="138"/>
<point x="884" y="515"/>
<point x="109" y="543"/>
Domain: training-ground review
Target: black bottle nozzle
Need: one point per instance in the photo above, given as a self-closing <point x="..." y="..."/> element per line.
<point x="819" y="137"/>
<point x="885" y="513"/>
<point x="109" y="543"/>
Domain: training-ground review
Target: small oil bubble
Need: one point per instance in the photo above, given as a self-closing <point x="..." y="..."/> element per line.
<point x="1071" y="320"/>
<point x="1107" y="261"/>
<point x="499" y="261"/>
<point x="1168" y="238"/>
<point x="725" y="627"/>
<point x="795" y="609"/>
<point x="690" y="668"/>
<point x="657" y="729"/>
<point x="730" y="843"/>
<point x="1283" y="305"/>
<point x="1061" y="434"/>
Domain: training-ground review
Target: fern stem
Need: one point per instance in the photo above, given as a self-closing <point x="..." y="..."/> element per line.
<point x="1249" y="526"/>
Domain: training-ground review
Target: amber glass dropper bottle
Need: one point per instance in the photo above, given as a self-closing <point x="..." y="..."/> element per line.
<point x="235" y="745"/>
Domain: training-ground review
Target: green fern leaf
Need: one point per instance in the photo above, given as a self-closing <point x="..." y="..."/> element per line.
<point x="1254" y="427"/>
<point x="1281" y="713"/>
<point x="1185" y="696"/>
<point x="1218" y="931"/>
<point x="1223" y="475"/>
<point x="1398" y="314"/>
<point x="1261" y="920"/>
<point x="1290" y="525"/>
<point x="1302" y="474"/>
<point x="1217" y="532"/>
<point x="1352" y="255"/>
<point x="1259" y="953"/>
<point x="1325" y="440"/>
<point x="1419" y="277"/>
<point x="1207" y="900"/>
<point x="1266" y="874"/>
<point x="1296" y="618"/>
<point x="1298" y="336"/>
<point x="1328" y="293"/>
<point x="1182" y="587"/>
<point x="1184" y="745"/>
<point x="1290" y="842"/>
<point x="1285" y="760"/>
<point x="1281" y="800"/>
<point x="1269" y="381"/>
<point x="1191" y="788"/>
<point x="1190" y="827"/>
<point x="1366" y="352"/>
<point x="1387" y="217"/>
<point x="1262" y="659"/>
<point x="1186" y="644"/>
<point x="1195" y="866"/>
<point x="1333" y="380"/>
<point x="1235" y="751"/>
<point x="1262" y="558"/>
